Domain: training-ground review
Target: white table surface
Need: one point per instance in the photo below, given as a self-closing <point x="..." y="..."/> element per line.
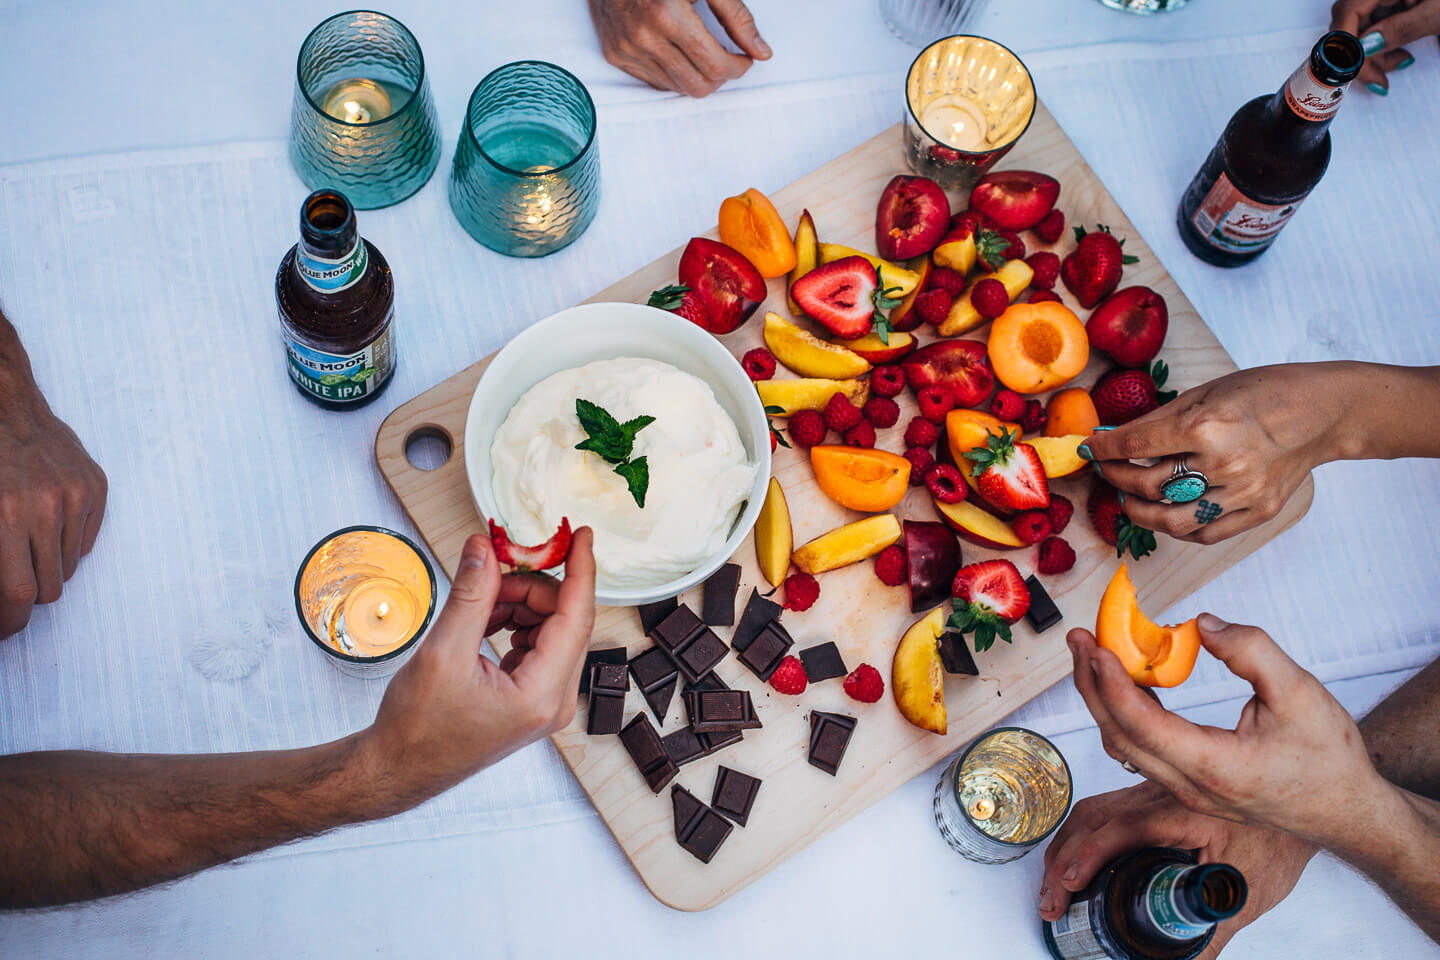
<point x="515" y="863"/>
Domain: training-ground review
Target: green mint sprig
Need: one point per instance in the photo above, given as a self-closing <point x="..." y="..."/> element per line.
<point x="613" y="442"/>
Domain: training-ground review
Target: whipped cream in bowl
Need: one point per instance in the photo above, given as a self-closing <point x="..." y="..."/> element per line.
<point x="692" y="414"/>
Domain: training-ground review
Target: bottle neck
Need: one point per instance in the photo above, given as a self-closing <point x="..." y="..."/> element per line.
<point x="326" y="274"/>
<point x="1304" y="106"/>
<point x="1183" y="902"/>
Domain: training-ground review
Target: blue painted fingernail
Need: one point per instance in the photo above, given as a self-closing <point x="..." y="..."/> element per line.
<point x="1095" y="465"/>
<point x="1084" y="452"/>
<point x="1122" y="498"/>
<point x="1372" y="43"/>
<point x="1102" y="429"/>
<point x="1407" y="62"/>
<point x="1378" y="90"/>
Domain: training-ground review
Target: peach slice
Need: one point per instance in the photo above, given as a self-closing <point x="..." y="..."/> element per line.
<point x="978" y="525"/>
<point x="903" y="316"/>
<point x="1057" y="454"/>
<point x="870" y="347"/>
<point x="1153" y="655"/>
<point x="848" y="544"/>
<point x="1014" y="274"/>
<point x="807" y="256"/>
<point x="807" y="354"/>
<point x="774" y="539"/>
<point x="1071" y="411"/>
<point x="891" y="274"/>
<point x="957" y="253"/>
<point x="917" y="680"/>
<point x="859" y="477"/>
<point x="810" y="394"/>
<point x="1036" y="347"/>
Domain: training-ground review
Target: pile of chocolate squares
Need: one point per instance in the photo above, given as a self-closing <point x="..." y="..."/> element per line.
<point x="686" y="651"/>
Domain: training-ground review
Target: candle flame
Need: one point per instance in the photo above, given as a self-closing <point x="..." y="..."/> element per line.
<point x="354" y="113"/>
<point x="382" y="610"/>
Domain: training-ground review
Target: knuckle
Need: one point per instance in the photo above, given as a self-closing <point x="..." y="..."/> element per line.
<point x="1176" y="523"/>
<point x="1132" y="445"/>
<point x="19" y="595"/>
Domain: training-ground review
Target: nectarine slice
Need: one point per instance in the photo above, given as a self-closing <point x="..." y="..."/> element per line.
<point x="1153" y="655"/>
<point x="917" y="679"/>
<point x="848" y="544"/>
<point x="807" y="256"/>
<point x="807" y="354"/>
<point x="978" y="525"/>
<point x="872" y="348"/>
<point x="1071" y="411"/>
<point x="1036" y="347"/>
<point x="774" y="539"/>
<point x="860" y="478"/>
<point x="1057" y="454"/>
<point x="1014" y="274"/>
<point x="750" y="223"/>
<point x="808" y="394"/>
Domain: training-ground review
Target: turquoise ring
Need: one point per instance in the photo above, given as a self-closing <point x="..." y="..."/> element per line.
<point x="1184" y="484"/>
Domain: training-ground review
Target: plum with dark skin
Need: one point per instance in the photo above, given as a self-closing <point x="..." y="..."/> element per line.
<point x="912" y="216"/>
<point x="932" y="558"/>
<point x="1015" y="199"/>
<point x="727" y="283"/>
<point x="962" y="366"/>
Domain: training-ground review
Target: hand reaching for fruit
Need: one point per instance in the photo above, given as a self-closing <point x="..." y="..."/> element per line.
<point x="665" y="43"/>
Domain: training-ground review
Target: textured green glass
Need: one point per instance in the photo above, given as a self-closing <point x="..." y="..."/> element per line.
<point x="382" y="161"/>
<point x="526" y="179"/>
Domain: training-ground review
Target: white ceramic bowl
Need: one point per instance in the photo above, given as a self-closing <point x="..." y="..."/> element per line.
<point x="604" y="331"/>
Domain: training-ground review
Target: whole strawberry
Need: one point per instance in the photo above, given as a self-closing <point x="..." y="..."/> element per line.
<point x="1122" y="395"/>
<point x="1092" y="270"/>
<point x="1109" y="520"/>
<point x="864" y="684"/>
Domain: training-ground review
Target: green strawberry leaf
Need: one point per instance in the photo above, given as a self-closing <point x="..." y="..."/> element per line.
<point x="775" y="410"/>
<point x="1128" y="259"/>
<point x="779" y="437"/>
<point x="990" y="248"/>
<point x="637" y="474"/>
<point x="1080" y="233"/>
<point x="668" y="298"/>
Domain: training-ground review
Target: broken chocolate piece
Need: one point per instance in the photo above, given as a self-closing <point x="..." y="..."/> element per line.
<point x="608" y="683"/>
<point x="717" y="711"/>
<point x="717" y="607"/>
<point x="758" y="612"/>
<point x="683" y="745"/>
<point x="653" y="614"/>
<point x="829" y="736"/>
<point x="721" y="739"/>
<point x="823" y="662"/>
<point x="692" y="646"/>
<point x="592" y="657"/>
<point x="1042" y="614"/>
<point x="734" y="794"/>
<point x="698" y="829"/>
<point x="644" y="746"/>
<point x="657" y="679"/>
<point x="955" y="655"/>
<point x="769" y="647"/>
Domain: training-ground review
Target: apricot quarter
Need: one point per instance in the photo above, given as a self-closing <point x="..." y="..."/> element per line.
<point x="1153" y="655"/>
<point x="871" y="481"/>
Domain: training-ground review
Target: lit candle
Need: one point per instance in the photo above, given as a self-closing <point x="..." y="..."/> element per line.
<point x="357" y="101"/>
<point x="955" y="121"/>
<point x="982" y="809"/>
<point x="363" y="624"/>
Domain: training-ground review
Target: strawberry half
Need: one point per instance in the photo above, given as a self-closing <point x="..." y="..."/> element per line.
<point x="1010" y="474"/>
<point x="549" y="554"/>
<point x="1092" y="270"/>
<point x="989" y="596"/>
<point x="912" y="216"/>
<point x="1130" y="326"/>
<point x="678" y="298"/>
<point x="1015" y="199"/>
<point x="844" y="296"/>
<point x="726" y="283"/>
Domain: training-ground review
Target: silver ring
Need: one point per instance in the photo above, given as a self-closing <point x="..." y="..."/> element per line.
<point x="1129" y="767"/>
<point x="1184" y="484"/>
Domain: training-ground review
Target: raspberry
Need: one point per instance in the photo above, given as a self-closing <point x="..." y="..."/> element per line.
<point x="789" y="677"/>
<point x="881" y="411"/>
<point x="1040" y="296"/>
<point x="807" y="428"/>
<point x="801" y="592"/>
<point x="1034" y="417"/>
<point x="972" y="220"/>
<point x="1049" y="229"/>
<point x="1061" y="510"/>
<point x="1016" y="250"/>
<point x="1054" y="556"/>
<point x="935" y="401"/>
<point x="890" y="565"/>
<point x="1008" y="405"/>
<point x="920" y="461"/>
<point x="951" y="281"/>
<point x="1033" y="526"/>
<point x="887" y="380"/>
<point x="759" y="364"/>
<point x="932" y="306"/>
<point x="945" y="483"/>
<point x="861" y="435"/>
<point x="1046" y="267"/>
<point x="864" y="684"/>
<point x="840" y="413"/>
<point x="989" y="297"/>
<point x="921" y="433"/>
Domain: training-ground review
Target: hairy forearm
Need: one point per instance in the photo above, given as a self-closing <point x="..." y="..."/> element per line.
<point x="77" y="825"/>
<point x="1390" y="410"/>
<point x="17" y="384"/>
<point x="1396" y="843"/>
<point x="1400" y="734"/>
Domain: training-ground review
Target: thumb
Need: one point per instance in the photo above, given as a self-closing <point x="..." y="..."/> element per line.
<point x="739" y="23"/>
<point x="1251" y="655"/>
<point x="462" y="623"/>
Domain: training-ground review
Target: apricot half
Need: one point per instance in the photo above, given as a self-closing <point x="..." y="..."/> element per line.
<point x="750" y="223"/>
<point x="1036" y="347"/>
<point x="1071" y="411"/>
<point x="871" y="481"/>
<point x="1153" y="655"/>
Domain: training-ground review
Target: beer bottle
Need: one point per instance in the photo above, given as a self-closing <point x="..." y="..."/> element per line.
<point x="1153" y="904"/>
<point x="336" y="299"/>
<point x="1272" y="153"/>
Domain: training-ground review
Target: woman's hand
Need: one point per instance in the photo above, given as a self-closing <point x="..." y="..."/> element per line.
<point x="1384" y="29"/>
<point x="666" y="44"/>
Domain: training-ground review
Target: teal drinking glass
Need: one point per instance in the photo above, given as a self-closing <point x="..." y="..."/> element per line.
<point x="363" y="121"/>
<point x="526" y="179"/>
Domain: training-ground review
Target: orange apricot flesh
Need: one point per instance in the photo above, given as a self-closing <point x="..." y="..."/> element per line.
<point x="1153" y="655"/>
<point x="1036" y="347"/>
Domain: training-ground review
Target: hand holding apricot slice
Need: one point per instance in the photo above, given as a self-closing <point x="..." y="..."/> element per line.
<point x="750" y="223"/>
<point x="1153" y="655"/>
<point x="1036" y="347"/>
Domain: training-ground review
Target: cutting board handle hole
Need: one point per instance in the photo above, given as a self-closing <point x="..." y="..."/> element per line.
<point x="428" y="447"/>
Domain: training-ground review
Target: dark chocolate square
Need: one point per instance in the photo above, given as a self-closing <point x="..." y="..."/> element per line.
<point x="764" y="654"/>
<point x="829" y="736"/>
<point x="1043" y="614"/>
<point x="717" y="607"/>
<point x="653" y="614"/>
<point x="608" y="683"/>
<point x="592" y="657"/>
<point x="657" y="679"/>
<point x="758" y="612"/>
<point x="955" y="655"/>
<point x="711" y="681"/>
<point x="691" y="645"/>
<point x="734" y="794"/>
<point x="823" y="662"/>
<point x="644" y="746"/>
<point x="698" y="829"/>
<point x="719" y="740"/>
<point x="683" y="745"/>
<point x="715" y="711"/>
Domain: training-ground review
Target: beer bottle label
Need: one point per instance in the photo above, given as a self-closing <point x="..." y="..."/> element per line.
<point x="1074" y="937"/>
<point x="332" y="276"/>
<point x="1309" y="98"/>
<point x="1233" y="222"/>
<point x="1162" y="910"/>
<point x="339" y="377"/>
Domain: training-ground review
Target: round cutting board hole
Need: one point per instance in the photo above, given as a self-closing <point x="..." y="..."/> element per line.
<point x="428" y="448"/>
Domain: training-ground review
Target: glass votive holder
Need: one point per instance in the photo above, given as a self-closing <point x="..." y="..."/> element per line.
<point x="1002" y="795"/>
<point x="968" y="100"/>
<point x="917" y="22"/>
<point x="1144" y="6"/>
<point x="365" y="596"/>
<point x="363" y="121"/>
<point x="526" y="179"/>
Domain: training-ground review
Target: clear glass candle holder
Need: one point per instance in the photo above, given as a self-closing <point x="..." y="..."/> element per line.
<point x="1144" y="6"/>
<point x="1002" y="795"/>
<point x="918" y="22"/>
<point x="363" y="121"/>
<point x="526" y="179"/>
<point x="968" y="100"/>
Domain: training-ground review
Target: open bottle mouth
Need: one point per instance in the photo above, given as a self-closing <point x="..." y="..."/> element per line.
<point x="1337" y="58"/>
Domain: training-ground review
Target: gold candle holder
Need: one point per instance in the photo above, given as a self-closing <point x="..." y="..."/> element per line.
<point x="968" y="100"/>
<point x="365" y="596"/>
<point x="1004" y="794"/>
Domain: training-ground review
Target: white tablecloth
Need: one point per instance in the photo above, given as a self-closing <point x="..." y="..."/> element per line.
<point x="141" y="285"/>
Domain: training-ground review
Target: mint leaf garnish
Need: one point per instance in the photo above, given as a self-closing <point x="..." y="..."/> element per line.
<point x="613" y="442"/>
<point x="637" y="474"/>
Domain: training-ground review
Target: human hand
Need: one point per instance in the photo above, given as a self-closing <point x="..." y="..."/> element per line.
<point x="665" y="43"/>
<point x="1295" y="761"/>
<point x="52" y="499"/>
<point x="1384" y="29"/>
<point x="451" y="710"/>
<point x="1102" y="827"/>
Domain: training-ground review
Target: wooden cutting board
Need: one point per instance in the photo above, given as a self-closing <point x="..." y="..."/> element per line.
<point x="797" y="802"/>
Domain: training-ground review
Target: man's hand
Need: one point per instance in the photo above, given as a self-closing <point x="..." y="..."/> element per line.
<point x="1103" y="827"/>
<point x="665" y="43"/>
<point x="451" y="710"/>
<point x="1396" y="24"/>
